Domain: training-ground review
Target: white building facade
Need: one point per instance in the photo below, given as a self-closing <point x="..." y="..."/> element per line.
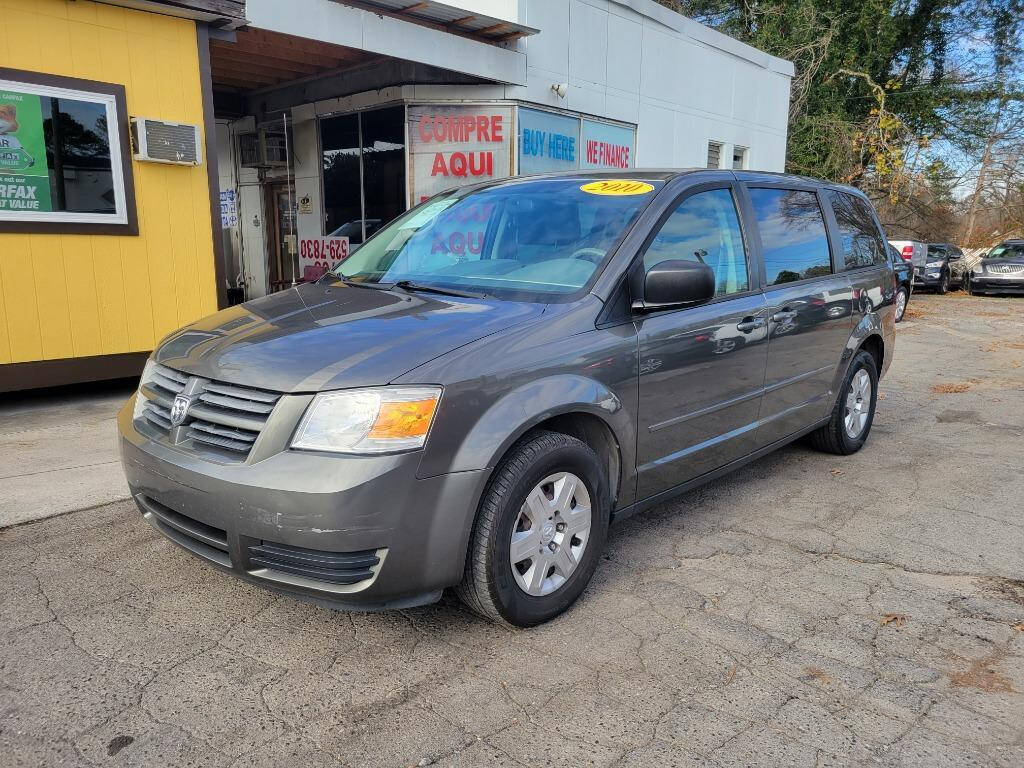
<point x="436" y="95"/>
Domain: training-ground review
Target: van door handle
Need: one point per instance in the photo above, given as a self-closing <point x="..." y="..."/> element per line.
<point x="748" y="324"/>
<point x="783" y="316"/>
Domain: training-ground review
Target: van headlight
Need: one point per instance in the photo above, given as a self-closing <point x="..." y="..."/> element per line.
<point x="371" y="420"/>
<point x="978" y="270"/>
<point x="140" y="399"/>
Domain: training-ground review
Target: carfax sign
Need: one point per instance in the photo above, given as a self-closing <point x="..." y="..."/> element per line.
<point x="24" y="174"/>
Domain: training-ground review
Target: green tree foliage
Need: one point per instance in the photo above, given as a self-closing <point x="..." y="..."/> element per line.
<point x="878" y="81"/>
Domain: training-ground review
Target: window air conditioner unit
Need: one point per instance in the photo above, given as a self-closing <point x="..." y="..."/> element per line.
<point x="263" y="148"/>
<point x="158" y="141"/>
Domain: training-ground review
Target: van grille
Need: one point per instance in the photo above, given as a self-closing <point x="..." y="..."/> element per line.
<point x="333" y="567"/>
<point x="225" y="417"/>
<point x="203" y="539"/>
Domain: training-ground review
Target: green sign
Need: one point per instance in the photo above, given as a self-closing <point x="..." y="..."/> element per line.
<point x="24" y="175"/>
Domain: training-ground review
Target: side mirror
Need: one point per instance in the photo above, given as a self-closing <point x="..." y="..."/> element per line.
<point x="673" y="283"/>
<point x="954" y="256"/>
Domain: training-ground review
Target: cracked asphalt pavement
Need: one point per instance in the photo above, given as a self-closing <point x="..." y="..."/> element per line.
<point x="808" y="610"/>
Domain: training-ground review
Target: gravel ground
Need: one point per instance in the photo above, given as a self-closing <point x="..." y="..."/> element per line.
<point x="807" y="610"/>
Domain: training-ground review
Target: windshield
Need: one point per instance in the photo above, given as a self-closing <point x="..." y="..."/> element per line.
<point x="531" y="239"/>
<point x="1006" y="252"/>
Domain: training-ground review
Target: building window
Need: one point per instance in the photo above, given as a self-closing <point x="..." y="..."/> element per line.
<point x="364" y="171"/>
<point x="64" y="164"/>
<point x="739" y="158"/>
<point x="714" y="154"/>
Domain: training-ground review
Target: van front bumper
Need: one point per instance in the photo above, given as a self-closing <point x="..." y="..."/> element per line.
<point x="359" y="532"/>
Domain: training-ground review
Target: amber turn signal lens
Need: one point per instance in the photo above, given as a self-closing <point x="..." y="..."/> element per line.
<point x="410" y="418"/>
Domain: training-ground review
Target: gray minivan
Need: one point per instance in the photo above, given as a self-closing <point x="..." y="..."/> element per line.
<point x="479" y="390"/>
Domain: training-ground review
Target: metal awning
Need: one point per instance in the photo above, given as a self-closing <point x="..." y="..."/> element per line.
<point x="446" y="18"/>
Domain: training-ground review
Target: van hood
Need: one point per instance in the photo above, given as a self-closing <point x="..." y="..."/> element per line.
<point x="320" y="336"/>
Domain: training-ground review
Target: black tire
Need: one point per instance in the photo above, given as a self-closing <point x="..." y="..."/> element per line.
<point x="832" y="437"/>
<point x="943" y="284"/>
<point x="488" y="586"/>
<point x="901" y="312"/>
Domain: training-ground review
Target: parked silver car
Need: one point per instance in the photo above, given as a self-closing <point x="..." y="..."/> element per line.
<point x="1000" y="271"/>
<point x="471" y="398"/>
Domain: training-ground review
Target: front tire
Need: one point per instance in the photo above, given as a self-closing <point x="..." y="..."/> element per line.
<point x="850" y="422"/>
<point x="539" y="533"/>
<point x="943" y="284"/>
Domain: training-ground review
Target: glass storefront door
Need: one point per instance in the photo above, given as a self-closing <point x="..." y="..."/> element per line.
<point x="363" y="159"/>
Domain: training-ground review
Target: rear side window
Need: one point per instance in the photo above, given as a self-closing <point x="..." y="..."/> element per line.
<point x="862" y="245"/>
<point x="706" y="228"/>
<point x="793" y="237"/>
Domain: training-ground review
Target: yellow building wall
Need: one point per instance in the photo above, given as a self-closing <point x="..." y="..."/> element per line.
<point x="77" y="295"/>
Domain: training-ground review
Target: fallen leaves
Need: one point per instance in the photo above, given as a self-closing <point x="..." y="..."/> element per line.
<point x="950" y="389"/>
<point x="896" y="619"/>
<point x="836" y="471"/>
<point x="1019" y="626"/>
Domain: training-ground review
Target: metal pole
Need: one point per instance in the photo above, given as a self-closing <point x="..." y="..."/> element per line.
<point x="292" y="244"/>
<point x="362" y="184"/>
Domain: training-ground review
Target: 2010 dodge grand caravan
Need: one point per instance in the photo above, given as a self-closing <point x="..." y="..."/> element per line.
<point x="472" y="396"/>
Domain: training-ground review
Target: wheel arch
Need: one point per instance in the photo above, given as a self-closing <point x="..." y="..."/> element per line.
<point x="571" y="404"/>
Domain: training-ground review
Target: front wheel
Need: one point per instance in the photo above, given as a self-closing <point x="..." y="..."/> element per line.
<point x="539" y="533"/>
<point x="900" y="303"/>
<point x="943" y="283"/>
<point x="850" y="421"/>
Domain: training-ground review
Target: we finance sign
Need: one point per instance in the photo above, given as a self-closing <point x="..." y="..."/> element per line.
<point x="456" y="146"/>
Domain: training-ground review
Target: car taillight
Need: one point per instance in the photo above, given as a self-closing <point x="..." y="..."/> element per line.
<point x="908" y="253"/>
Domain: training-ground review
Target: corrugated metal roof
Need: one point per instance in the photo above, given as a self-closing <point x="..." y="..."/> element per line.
<point x="456" y="20"/>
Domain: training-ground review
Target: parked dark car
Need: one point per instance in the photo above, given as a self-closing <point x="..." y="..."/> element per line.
<point x="937" y="272"/>
<point x="420" y="419"/>
<point x="1001" y="271"/>
<point x="903" y="277"/>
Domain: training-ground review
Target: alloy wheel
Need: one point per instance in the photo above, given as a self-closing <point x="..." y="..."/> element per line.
<point x="858" y="404"/>
<point x="901" y="304"/>
<point x="550" y="534"/>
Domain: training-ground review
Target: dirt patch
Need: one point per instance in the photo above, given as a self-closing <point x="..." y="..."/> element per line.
<point x="913" y="313"/>
<point x="950" y="389"/>
<point x="958" y="417"/>
<point x="1011" y="588"/>
<point x="819" y="674"/>
<point x="982" y="675"/>
<point x="996" y="345"/>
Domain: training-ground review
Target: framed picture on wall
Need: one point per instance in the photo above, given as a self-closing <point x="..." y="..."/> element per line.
<point x="65" y="162"/>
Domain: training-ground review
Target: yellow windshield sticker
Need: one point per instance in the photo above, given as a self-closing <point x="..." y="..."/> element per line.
<point x="617" y="187"/>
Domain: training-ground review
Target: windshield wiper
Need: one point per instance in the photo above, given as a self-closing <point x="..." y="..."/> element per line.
<point x="353" y="283"/>
<point x="409" y="285"/>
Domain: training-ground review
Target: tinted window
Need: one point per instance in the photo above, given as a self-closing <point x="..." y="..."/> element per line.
<point x="860" y="242"/>
<point x="705" y="227"/>
<point x="792" y="235"/>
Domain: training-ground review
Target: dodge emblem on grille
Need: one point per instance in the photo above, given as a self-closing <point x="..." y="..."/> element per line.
<point x="180" y="409"/>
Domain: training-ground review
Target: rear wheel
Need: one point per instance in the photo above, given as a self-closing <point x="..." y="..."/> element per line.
<point x="900" y="303"/>
<point x="850" y="421"/>
<point x="539" y="533"/>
